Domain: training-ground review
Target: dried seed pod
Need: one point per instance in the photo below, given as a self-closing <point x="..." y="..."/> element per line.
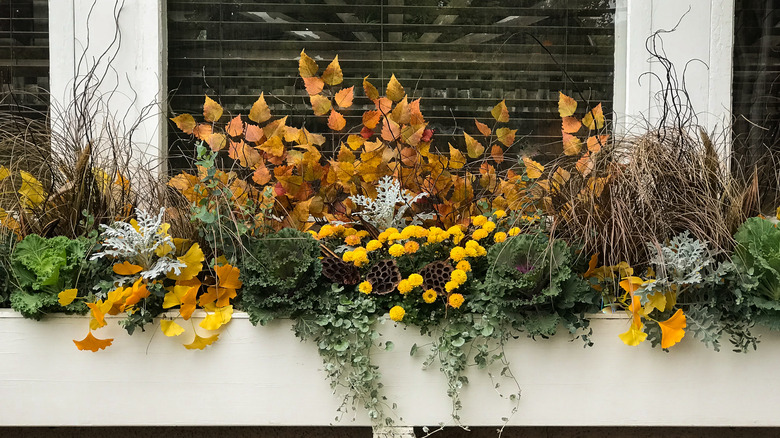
<point x="339" y="271"/>
<point x="435" y="275"/>
<point x="384" y="277"/>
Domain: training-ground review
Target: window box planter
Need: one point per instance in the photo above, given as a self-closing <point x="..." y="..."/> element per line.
<point x="263" y="376"/>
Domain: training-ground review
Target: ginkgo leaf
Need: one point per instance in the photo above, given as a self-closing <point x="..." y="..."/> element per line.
<point x="482" y="128"/>
<point x="260" y="111"/>
<point x="457" y="160"/>
<point x="336" y="121"/>
<point x="566" y="105"/>
<point x="655" y="301"/>
<point x="344" y="97"/>
<point x="395" y="91"/>
<point x="185" y="122"/>
<point x="571" y="144"/>
<point x="170" y="328"/>
<point x="307" y="67"/>
<point x="506" y="136"/>
<point x="320" y="104"/>
<point x="217" y="142"/>
<point x="221" y="315"/>
<point x="98" y="314"/>
<point x="332" y="74"/>
<point x="313" y="85"/>
<point x="473" y="147"/>
<point x="631" y="284"/>
<point x="532" y="168"/>
<point x="92" y="343"/>
<point x="31" y="190"/>
<point x="570" y="125"/>
<point x="193" y="260"/>
<point x="673" y="329"/>
<point x="633" y="337"/>
<point x="67" y="296"/>
<point x="126" y="268"/>
<point x="212" y="111"/>
<point x="371" y="92"/>
<point x="200" y="343"/>
<point x="637" y="311"/>
<point x="235" y="127"/>
<point x="596" y="114"/>
<point x="500" y="112"/>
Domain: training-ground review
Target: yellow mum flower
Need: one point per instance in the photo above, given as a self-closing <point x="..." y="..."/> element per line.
<point x="429" y="296"/>
<point x="349" y="232"/>
<point x="479" y="234"/>
<point x="411" y="247"/>
<point x="348" y="256"/>
<point x="415" y="280"/>
<point x="481" y="251"/>
<point x="326" y="231"/>
<point x="499" y="237"/>
<point x="405" y="286"/>
<point x="457" y="254"/>
<point x="451" y="286"/>
<point x="459" y="276"/>
<point x="338" y="229"/>
<point x="365" y="287"/>
<point x="472" y="244"/>
<point x="408" y="232"/>
<point x="352" y="240"/>
<point x="514" y="231"/>
<point x="478" y="221"/>
<point x="383" y="236"/>
<point x="313" y="234"/>
<point x="471" y="252"/>
<point x="499" y="214"/>
<point x="489" y="226"/>
<point x="420" y="233"/>
<point x="373" y="245"/>
<point x="396" y="250"/>
<point x="362" y="233"/>
<point x="464" y="266"/>
<point x="395" y="236"/>
<point x="456" y="300"/>
<point x="397" y="313"/>
<point x="359" y="256"/>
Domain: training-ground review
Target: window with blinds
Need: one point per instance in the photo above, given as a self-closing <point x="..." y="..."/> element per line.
<point x="756" y="80"/>
<point x="460" y="56"/>
<point x="24" y="57"/>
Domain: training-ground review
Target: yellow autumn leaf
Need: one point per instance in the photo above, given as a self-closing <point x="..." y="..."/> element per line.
<point x="260" y="111"/>
<point x="193" y="259"/>
<point x="596" y="114"/>
<point x="92" y="343"/>
<point x="673" y="329"/>
<point x="212" y="111"/>
<point x="126" y="268"/>
<point x="631" y="284"/>
<point x="307" y="67"/>
<point x="655" y="301"/>
<point x="344" y="97"/>
<point x="220" y="317"/>
<point x="371" y="92"/>
<point x="566" y="105"/>
<point x="633" y="337"/>
<point x="473" y="147"/>
<point x="500" y="112"/>
<point x="217" y="142"/>
<point x="506" y="136"/>
<point x="571" y="144"/>
<point x="332" y="74"/>
<point x="200" y="343"/>
<point x="185" y="122"/>
<point x="170" y="328"/>
<point x="532" y="168"/>
<point x="320" y="104"/>
<point x="336" y="121"/>
<point x="313" y="85"/>
<point x="67" y="296"/>
<point x="32" y="190"/>
<point x="395" y="91"/>
<point x="457" y="160"/>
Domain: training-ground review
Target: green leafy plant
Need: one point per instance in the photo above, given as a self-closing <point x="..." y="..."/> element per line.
<point x="757" y="262"/>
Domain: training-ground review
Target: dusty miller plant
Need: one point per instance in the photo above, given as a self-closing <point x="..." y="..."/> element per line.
<point x="384" y="211"/>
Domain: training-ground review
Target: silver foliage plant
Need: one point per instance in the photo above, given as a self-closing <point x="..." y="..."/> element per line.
<point x="384" y="211"/>
<point x="122" y="241"/>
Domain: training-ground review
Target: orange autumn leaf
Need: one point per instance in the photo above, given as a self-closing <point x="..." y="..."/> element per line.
<point x="596" y="114"/>
<point x="320" y="104"/>
<point x="631" y="284"/>
<point x="185" y="122"/>
<point x="566" y="105"/>
<point x="336" y="121"/>
<point x="306" y="66"/>
<point x="390" y="129"/>
<point x="673" y="329"/>
<point x="637" y="311"/>
<point x="99" y="316"/>
<point x="200" y="343"/>
<point x="500" y="112"/>
<point x="126" y="268"/>
<point x="596" y="142"/>
<point x="203" y="131"/>
<point x="482" y="128"/>
<point x="217" y="142"/>
<point x="371" y="92"/>
<point x="571" y="144"/>
<point x="532" y="168"/>
<point x="235" y="127"/>
<point x="383" y="105"/>
<point x="473" y="148"/>
<point x="371" y="118"/>
<point x="570" y="125"/>
<point x="395" y="91"/>
<point x="457" y="160"/>
<point x="344" y="97"/>
<point x="313" y="85"/>
<point x="506" y="136"/>
<point x="497" y="154"/>
<point x="212" y="111"/>
<point x="585" y="164"/>
<point x="246" y="155"/>
<point x="92" y="343"/>
<point x="260" y="111"/>
<point x="253" y="133"/>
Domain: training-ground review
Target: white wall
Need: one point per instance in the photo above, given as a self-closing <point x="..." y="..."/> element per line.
<point x="134" y="81"/>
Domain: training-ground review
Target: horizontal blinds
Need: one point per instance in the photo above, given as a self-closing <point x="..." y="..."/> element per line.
<point x="460" y="56"/>
<point x="24" y="57"/>
<point x="756" y="79"/>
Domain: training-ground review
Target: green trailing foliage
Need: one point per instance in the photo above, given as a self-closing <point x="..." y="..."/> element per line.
<point x="281" y="273"/>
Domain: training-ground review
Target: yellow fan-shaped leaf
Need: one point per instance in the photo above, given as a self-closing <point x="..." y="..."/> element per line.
<point x="532" y="168"/>
<point x="320" y="104"/>
<point x="260" y="111"/>
<point x="336" y="121"/>
<point x="185" y="122"/>
<point x="307" y="67"/>
<point x="473" y="147"/>
<point x="571" y="144"/>
<point x="212" y="111"/>
<point x="506" y="136"/>
<point x="633" y="337"/>
<point x="500" y="112"/>
<point x="313" y="85"/>
<point x="673" y="329"/>
<point x="596" y="114"/>
<point x="170" y="328"/>
<point x="193" y="259"/>
<point x="344" y="97"/>
<point x="126" y="268"/>
<point x="655" y="301"/>
<point x="566" y="105"/>
<point x="31" y="190"/>
<point x="200" y="343"/>
<point x="631" y="284"/>
<point x="67" y="296"/>
<point x="457" y="160"/>
<point x="221" y="315"/>
<point x="332" y="74"/>
<point x="395" y="91"/>
<point x="92" y="343"/>
<point x="371" y="92"/>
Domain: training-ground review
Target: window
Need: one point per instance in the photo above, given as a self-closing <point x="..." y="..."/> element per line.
<point x="24" y="57"/>
<point x="460" y="56"/>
